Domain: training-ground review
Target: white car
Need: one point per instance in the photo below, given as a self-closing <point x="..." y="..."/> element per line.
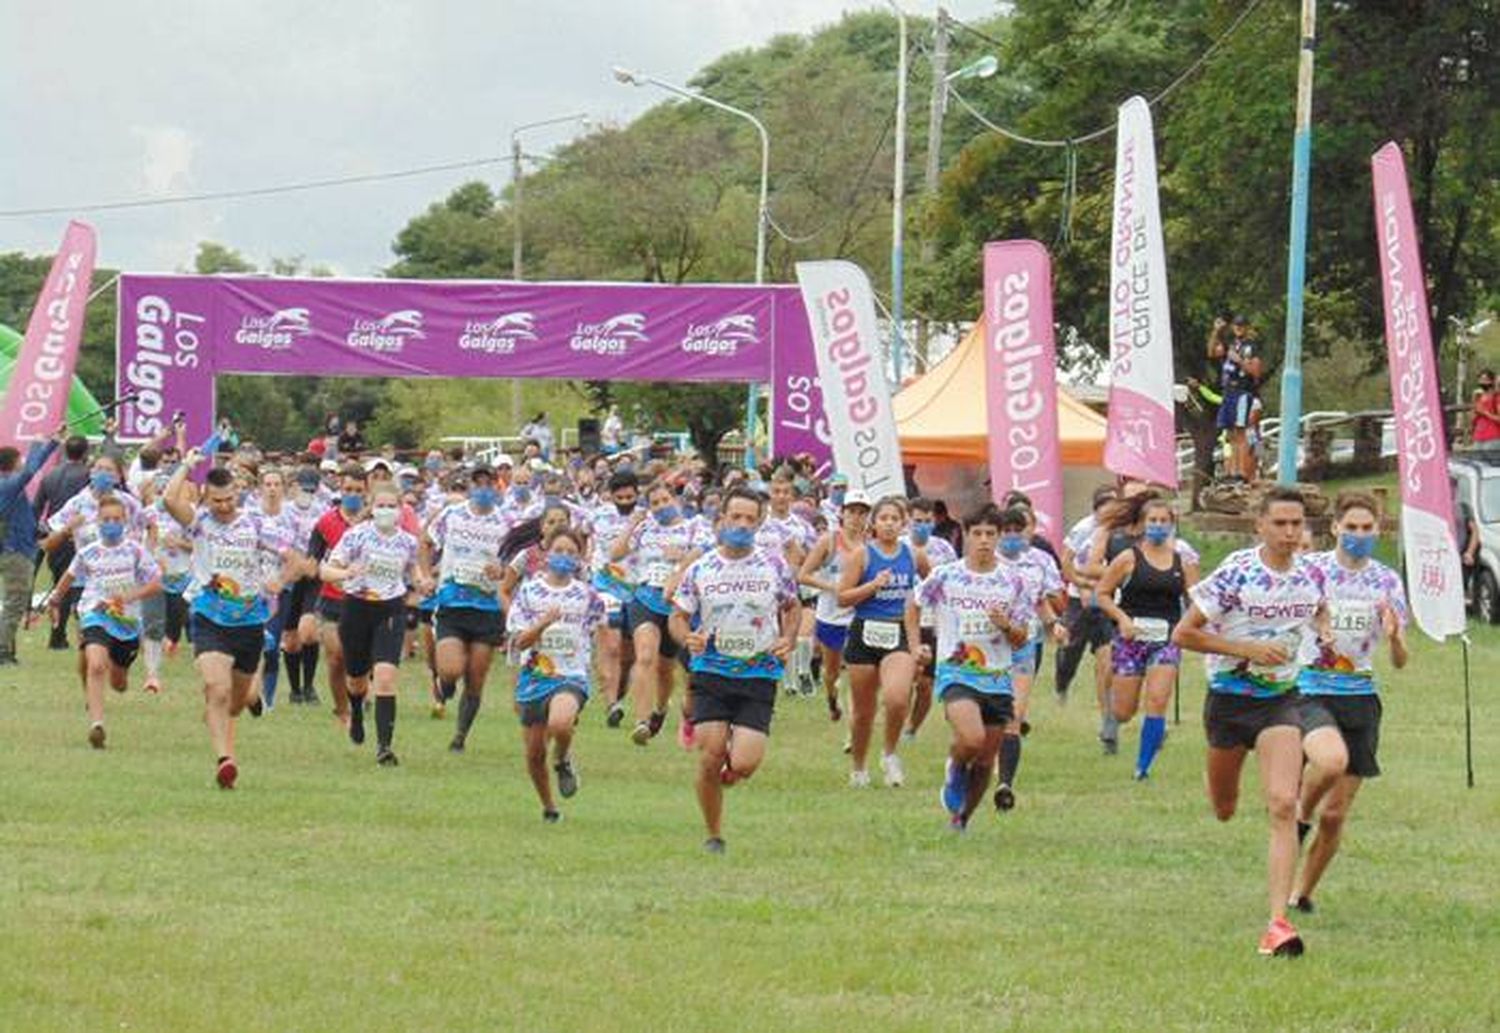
<point x="1476" y="475"/>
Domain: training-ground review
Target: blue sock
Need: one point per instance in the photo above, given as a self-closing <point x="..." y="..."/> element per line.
<point x="270" y="674"/>
<point x="1153" y="731"/>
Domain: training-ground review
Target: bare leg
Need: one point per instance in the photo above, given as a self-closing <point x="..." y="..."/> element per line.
<point x="645" y="677"/>
<point x="864" y="684"/>
<point x="535" y="739"/>
<point x="896" y="672"/>
<point x="215" y="669"/>
<point x="93" y="662"/>
<point x="1224" y="779"/>
<point x="333" y="657"/>
<point x="1330" y="833"/>
<point x="1278" y="750"/>
<point x="713" y="750"/>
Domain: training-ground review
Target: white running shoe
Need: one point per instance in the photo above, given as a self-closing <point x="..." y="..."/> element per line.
<point x="895" y="774"/>
<point x="859" y="779"/>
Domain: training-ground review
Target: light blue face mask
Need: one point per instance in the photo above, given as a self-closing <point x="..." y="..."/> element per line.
<point x="111" y="532"/>
<point x="101" y="481"/>
<point x="665" y="515"/>
<point x="562" y="564"/>
<point x="921" y="531"/>
<point x="1157" y="534"/>
<point x="483" y="497"/>
<point x="352" y="502"/>
<point x="737" y="538"/>
<point x="1012" y="545"/>
<point x="1357" y="546"/>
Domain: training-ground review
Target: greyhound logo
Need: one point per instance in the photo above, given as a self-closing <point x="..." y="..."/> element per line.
<point x="276" y="332"/>
<point x="722" y="337"/>
<point x="498" y="336"/>
<point x="1138" y="436"/>
<point x="387" y="334"/>
<point x="613" y="336"/>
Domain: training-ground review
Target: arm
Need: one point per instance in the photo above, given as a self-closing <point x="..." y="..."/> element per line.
<point x="1114" y="577"/>
<point x="791" y="621"/>
<point x="851" y="592"/>
<point x="812" y="563"/>
<point x="1089" y="573"/>
<point x="1191" y="633"/>
<point x="621" y="547"/>
<point x="177" y="497"/>
<point x="677" y="626"/>
<point x="528" y="637"/>
<point x="912" y="618"/>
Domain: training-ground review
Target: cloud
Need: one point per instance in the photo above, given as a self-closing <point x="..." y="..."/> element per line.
<point x="166" y="159"/>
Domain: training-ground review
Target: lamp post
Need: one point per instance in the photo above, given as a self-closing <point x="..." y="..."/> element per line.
<point x="762" y="216"/>
<point x="515" y="225"/>
<point x="898" y="204"/>
<point x="1291" y="366"/>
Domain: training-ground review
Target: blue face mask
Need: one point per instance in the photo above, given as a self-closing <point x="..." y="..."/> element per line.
<point x="111" y="532"/>
<point x="665" y="515"/>
<point x="737" y="538"/>
<point x="837" y="495"/>
<point x="352" y="502"/>
<point x="523" y="495"/>
<point x="1358" y="546"/>
<point x="562" y="564"/>
<point x="1157" y="534"/>
<point x="1012" y="545"/>
<point x="711" y="510"/>
<point x="434" y="465"/>
<point x="483" y="497"/>
<point x="921" y="531"/>
<point x="101" y="481"/>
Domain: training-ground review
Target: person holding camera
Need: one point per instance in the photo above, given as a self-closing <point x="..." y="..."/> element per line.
<point x="1240" y="373"/>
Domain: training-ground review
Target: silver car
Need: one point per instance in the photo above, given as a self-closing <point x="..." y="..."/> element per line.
<point x="1476" y="476"/>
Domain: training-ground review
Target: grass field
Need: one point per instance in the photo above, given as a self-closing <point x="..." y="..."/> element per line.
<point x="327" y="894"/>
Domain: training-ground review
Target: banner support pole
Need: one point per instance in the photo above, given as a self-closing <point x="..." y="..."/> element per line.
<point x="1468" y="716"/>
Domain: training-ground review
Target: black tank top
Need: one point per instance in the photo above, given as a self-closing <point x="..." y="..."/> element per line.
<point x="1118" y="542"/>
<point x="1152" y="592"/>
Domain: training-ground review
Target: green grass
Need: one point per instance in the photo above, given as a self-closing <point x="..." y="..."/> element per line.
<point x="327" y="894"/>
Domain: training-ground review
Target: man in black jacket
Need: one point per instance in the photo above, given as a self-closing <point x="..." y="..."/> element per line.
<point x="64" y="481"/>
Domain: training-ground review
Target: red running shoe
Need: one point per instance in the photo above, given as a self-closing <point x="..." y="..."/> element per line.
<point x="227" y="773"/>
<point x="1280" y="940"/>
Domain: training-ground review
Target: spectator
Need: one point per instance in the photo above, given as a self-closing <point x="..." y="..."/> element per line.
<point x="1486" y="416"/>
<point x="609" y="434"/>
<point x="540" y="431"/>
<point x="1240" y="372"/>
<point x="18" y="537"/>
<point x="351" y="441"/>
<point x="1468" y="536"/>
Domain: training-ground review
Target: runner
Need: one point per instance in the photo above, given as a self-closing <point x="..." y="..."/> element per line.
<point x="1088" y="628"/>
<point x="975" y="602"/>
<point x="820" y="570"/>
<point x="468" y="624"/>
<point x="278" y="517"/>
<point x="661" y="545"/>
<point x="115" y="574"/>
<point x="376" y="565"/>
<point x="746" y="602"/>
<point x="1037" y="612"/>
<point x="299" y="642"/>
<point x="1252" y="616"/>
<point x="228" y="599"/>
<point x="939" y="552"/>
<point x="614" y="580"/>
<point x="324" y="624"/>
<point x="1339" y="704"/>
<point x="789" y="536"/>
<point x="876" y="578"/>
<point x="1151" y="577"/>
<point x="551" y="621"/>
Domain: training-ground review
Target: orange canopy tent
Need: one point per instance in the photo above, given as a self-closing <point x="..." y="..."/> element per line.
<point x="941" y="415"/>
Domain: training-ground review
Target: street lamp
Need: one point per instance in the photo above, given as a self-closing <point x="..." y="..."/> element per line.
<point x="630" y="78"/>
<point x="1465" y="335"/>
<point x="515" y="224"/>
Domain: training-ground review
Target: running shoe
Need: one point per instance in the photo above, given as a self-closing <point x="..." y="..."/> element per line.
<point x="1280" y="940"/>
<point x="848" y="744"/>
<point x="439" y="709"/>
<point x="152" y="686"/>
<point x="715" y="845"/>
<point x="1111" y="746"/>
<point x="641" y="734"/>
<point x="685" y="733"/>
<point x="895" y="774"/>
<point x="1005" y="797"/>
<point x="1303" y="904"/>
<point x="226" y="773"/>
<point x="1141" y="775"/>
<point x="1025" y="728"/>
<point x="859" y="779"/>
<point x="805" y="685"/>
<point x="958" y="824"/>
<point x="457" y="745"/>
<point x="96" y="737"/>
<point x="567" y="778"/>
<point x="356" y="721"/>
<point x="310" y="696"/>
<point x="385" y="758"/>
<point x="655" y="722"/>
<point x="170" y="648"/>
<point x="551" y="817"/>
<point x="955" y="787"/>
<point x="908" y="735"/>
<point x="616" y="715"/>
<point x="256" y="707"/>
<point x="835" y="713"/>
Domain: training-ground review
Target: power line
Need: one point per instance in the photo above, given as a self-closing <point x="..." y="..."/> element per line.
<point x="224" y="195"/>
<point x="1104" y="131"/>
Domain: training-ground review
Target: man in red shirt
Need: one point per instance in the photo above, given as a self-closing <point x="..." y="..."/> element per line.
<point x="325" y="535"/>
<point x="1486" y="420"/>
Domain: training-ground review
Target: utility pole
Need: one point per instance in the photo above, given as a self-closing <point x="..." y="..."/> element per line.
<point x="898" y="205"/>
<point x="1291" y="365"/>
<point x="935" y="110"/>
<point x="515" y="260"/>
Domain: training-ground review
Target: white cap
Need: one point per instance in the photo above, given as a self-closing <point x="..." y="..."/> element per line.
<point x="407" y="471"/>
<point x="503" y="460"/>
<point x="329" y="464"/>
<point x="372" y="463"/>
<point x="857" y="498"/>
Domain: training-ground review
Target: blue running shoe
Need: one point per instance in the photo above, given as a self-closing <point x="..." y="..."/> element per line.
<point x="955" y="787"/>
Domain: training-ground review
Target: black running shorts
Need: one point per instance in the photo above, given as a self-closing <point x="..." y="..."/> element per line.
<point x="1232" y="720"/>
<point x="1358" y="720"/>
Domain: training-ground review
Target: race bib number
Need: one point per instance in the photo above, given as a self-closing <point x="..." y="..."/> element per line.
<point x="1291" y="644"/>
<point x="977" y="627"/>
<point x="117" y="585"/>
<point x="737" y="642"/>
<point x="559" y="641"/>
<point x="1151" y="629"/>
<point x="658" y="574"/>
<point x="468" y="572"/>
<point x="238" y="562"/>
<point x="881" y="634"/>
<point x="384" y="569"/>
<point x="1351" y="617"/>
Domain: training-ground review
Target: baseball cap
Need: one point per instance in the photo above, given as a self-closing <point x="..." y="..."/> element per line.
<point x="838" y="479"/>
<point x="857" y="498"/>
<point x="371" y="464"/>
<point x="504" y="460"/>
<point x="407" y="471"/>
<point x="329" y="466"/>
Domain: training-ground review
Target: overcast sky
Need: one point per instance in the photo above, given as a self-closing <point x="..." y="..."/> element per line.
<point x="106" y="100"/>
